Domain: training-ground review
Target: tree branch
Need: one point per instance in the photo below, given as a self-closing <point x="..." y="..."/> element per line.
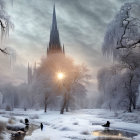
<point x="4" y="51"/>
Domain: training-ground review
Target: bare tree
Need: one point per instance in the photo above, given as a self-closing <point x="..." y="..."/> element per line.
<point x="78" y="76"/>
<point x="42" y="88"/>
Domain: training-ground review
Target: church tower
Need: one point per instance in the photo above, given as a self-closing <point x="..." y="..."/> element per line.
<point x="54" y="43"/>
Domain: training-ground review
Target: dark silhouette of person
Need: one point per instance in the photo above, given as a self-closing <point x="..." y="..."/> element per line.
<point x="41" y="126"/>
<point x="26" y="121"/>
<point x="107" y="125"/>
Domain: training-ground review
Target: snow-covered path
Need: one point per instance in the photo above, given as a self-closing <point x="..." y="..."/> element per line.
<point x="77" y="124"/>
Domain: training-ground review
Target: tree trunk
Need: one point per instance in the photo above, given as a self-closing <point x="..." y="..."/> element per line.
<point x="130" y="94"/>
<point x="129" y="109"/>
<point x="67" y="107"/>
<point x="25" y="109"/>
<point x="130" y="105"/>
<point x="64" y="104"/>
<point x="45" y="104"/>
<point x="134" y="105"/>
<point x="67" y="103"/>
<point x="134" y="102"/>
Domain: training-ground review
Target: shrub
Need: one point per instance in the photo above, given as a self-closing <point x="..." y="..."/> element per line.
<point x="2" y="126"/>
<point x="8" y="108"/>
<point x="85" y="133"/>
<point x="21" y="121"/>
<point x="11" y="120"/>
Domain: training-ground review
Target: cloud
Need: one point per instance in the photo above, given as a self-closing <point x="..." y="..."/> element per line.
<point x="82" y="25"/>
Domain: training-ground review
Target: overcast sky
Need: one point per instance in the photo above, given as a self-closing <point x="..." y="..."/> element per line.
<point x="82" y="25"/>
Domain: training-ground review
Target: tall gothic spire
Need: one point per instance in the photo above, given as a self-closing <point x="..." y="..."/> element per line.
<point x="54" y="21"/>
<point x="54" y="43"/>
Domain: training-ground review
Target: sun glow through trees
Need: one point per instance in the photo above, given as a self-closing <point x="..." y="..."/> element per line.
<point x="60" y="75"/>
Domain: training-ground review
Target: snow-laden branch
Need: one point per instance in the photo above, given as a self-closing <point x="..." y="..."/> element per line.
<point x="5" y="24"/>
<point x="124" y="31"/>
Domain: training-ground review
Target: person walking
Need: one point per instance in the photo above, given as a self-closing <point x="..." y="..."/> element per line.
<point x="41" y="126"/>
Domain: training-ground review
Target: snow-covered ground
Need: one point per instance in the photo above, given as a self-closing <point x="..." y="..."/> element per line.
<point x="77" y="125"/>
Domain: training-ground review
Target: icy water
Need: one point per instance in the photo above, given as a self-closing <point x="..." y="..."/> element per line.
<point x="113" y="135"/>
<point x="30" y="128"/>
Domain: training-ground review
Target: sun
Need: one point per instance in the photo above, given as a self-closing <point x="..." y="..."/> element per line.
<point x="60" y="75"/>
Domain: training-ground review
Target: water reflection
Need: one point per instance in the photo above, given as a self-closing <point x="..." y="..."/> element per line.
<point x="18" y="137"/>
<point x="113" y="135"/>
<point x="29" y="129"/>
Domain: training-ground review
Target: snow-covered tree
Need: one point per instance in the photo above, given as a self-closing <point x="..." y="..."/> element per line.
<point x="50" y="86"/>
<point x="5" y="24"/>
<point x="122" y="42"/>
<point x="118" y="87"/>
<point x="123" y="32"/>
<point x="42" y="89"/>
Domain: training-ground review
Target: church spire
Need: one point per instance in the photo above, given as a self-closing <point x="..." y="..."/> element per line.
<point x="54" y="43"/>
<point x="54" y="21"/>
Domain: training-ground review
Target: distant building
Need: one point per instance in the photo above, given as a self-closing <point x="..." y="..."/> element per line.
<point x="53" y="47"/>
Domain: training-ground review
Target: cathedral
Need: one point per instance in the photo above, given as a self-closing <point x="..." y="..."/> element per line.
<point x="54" y="46"/>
